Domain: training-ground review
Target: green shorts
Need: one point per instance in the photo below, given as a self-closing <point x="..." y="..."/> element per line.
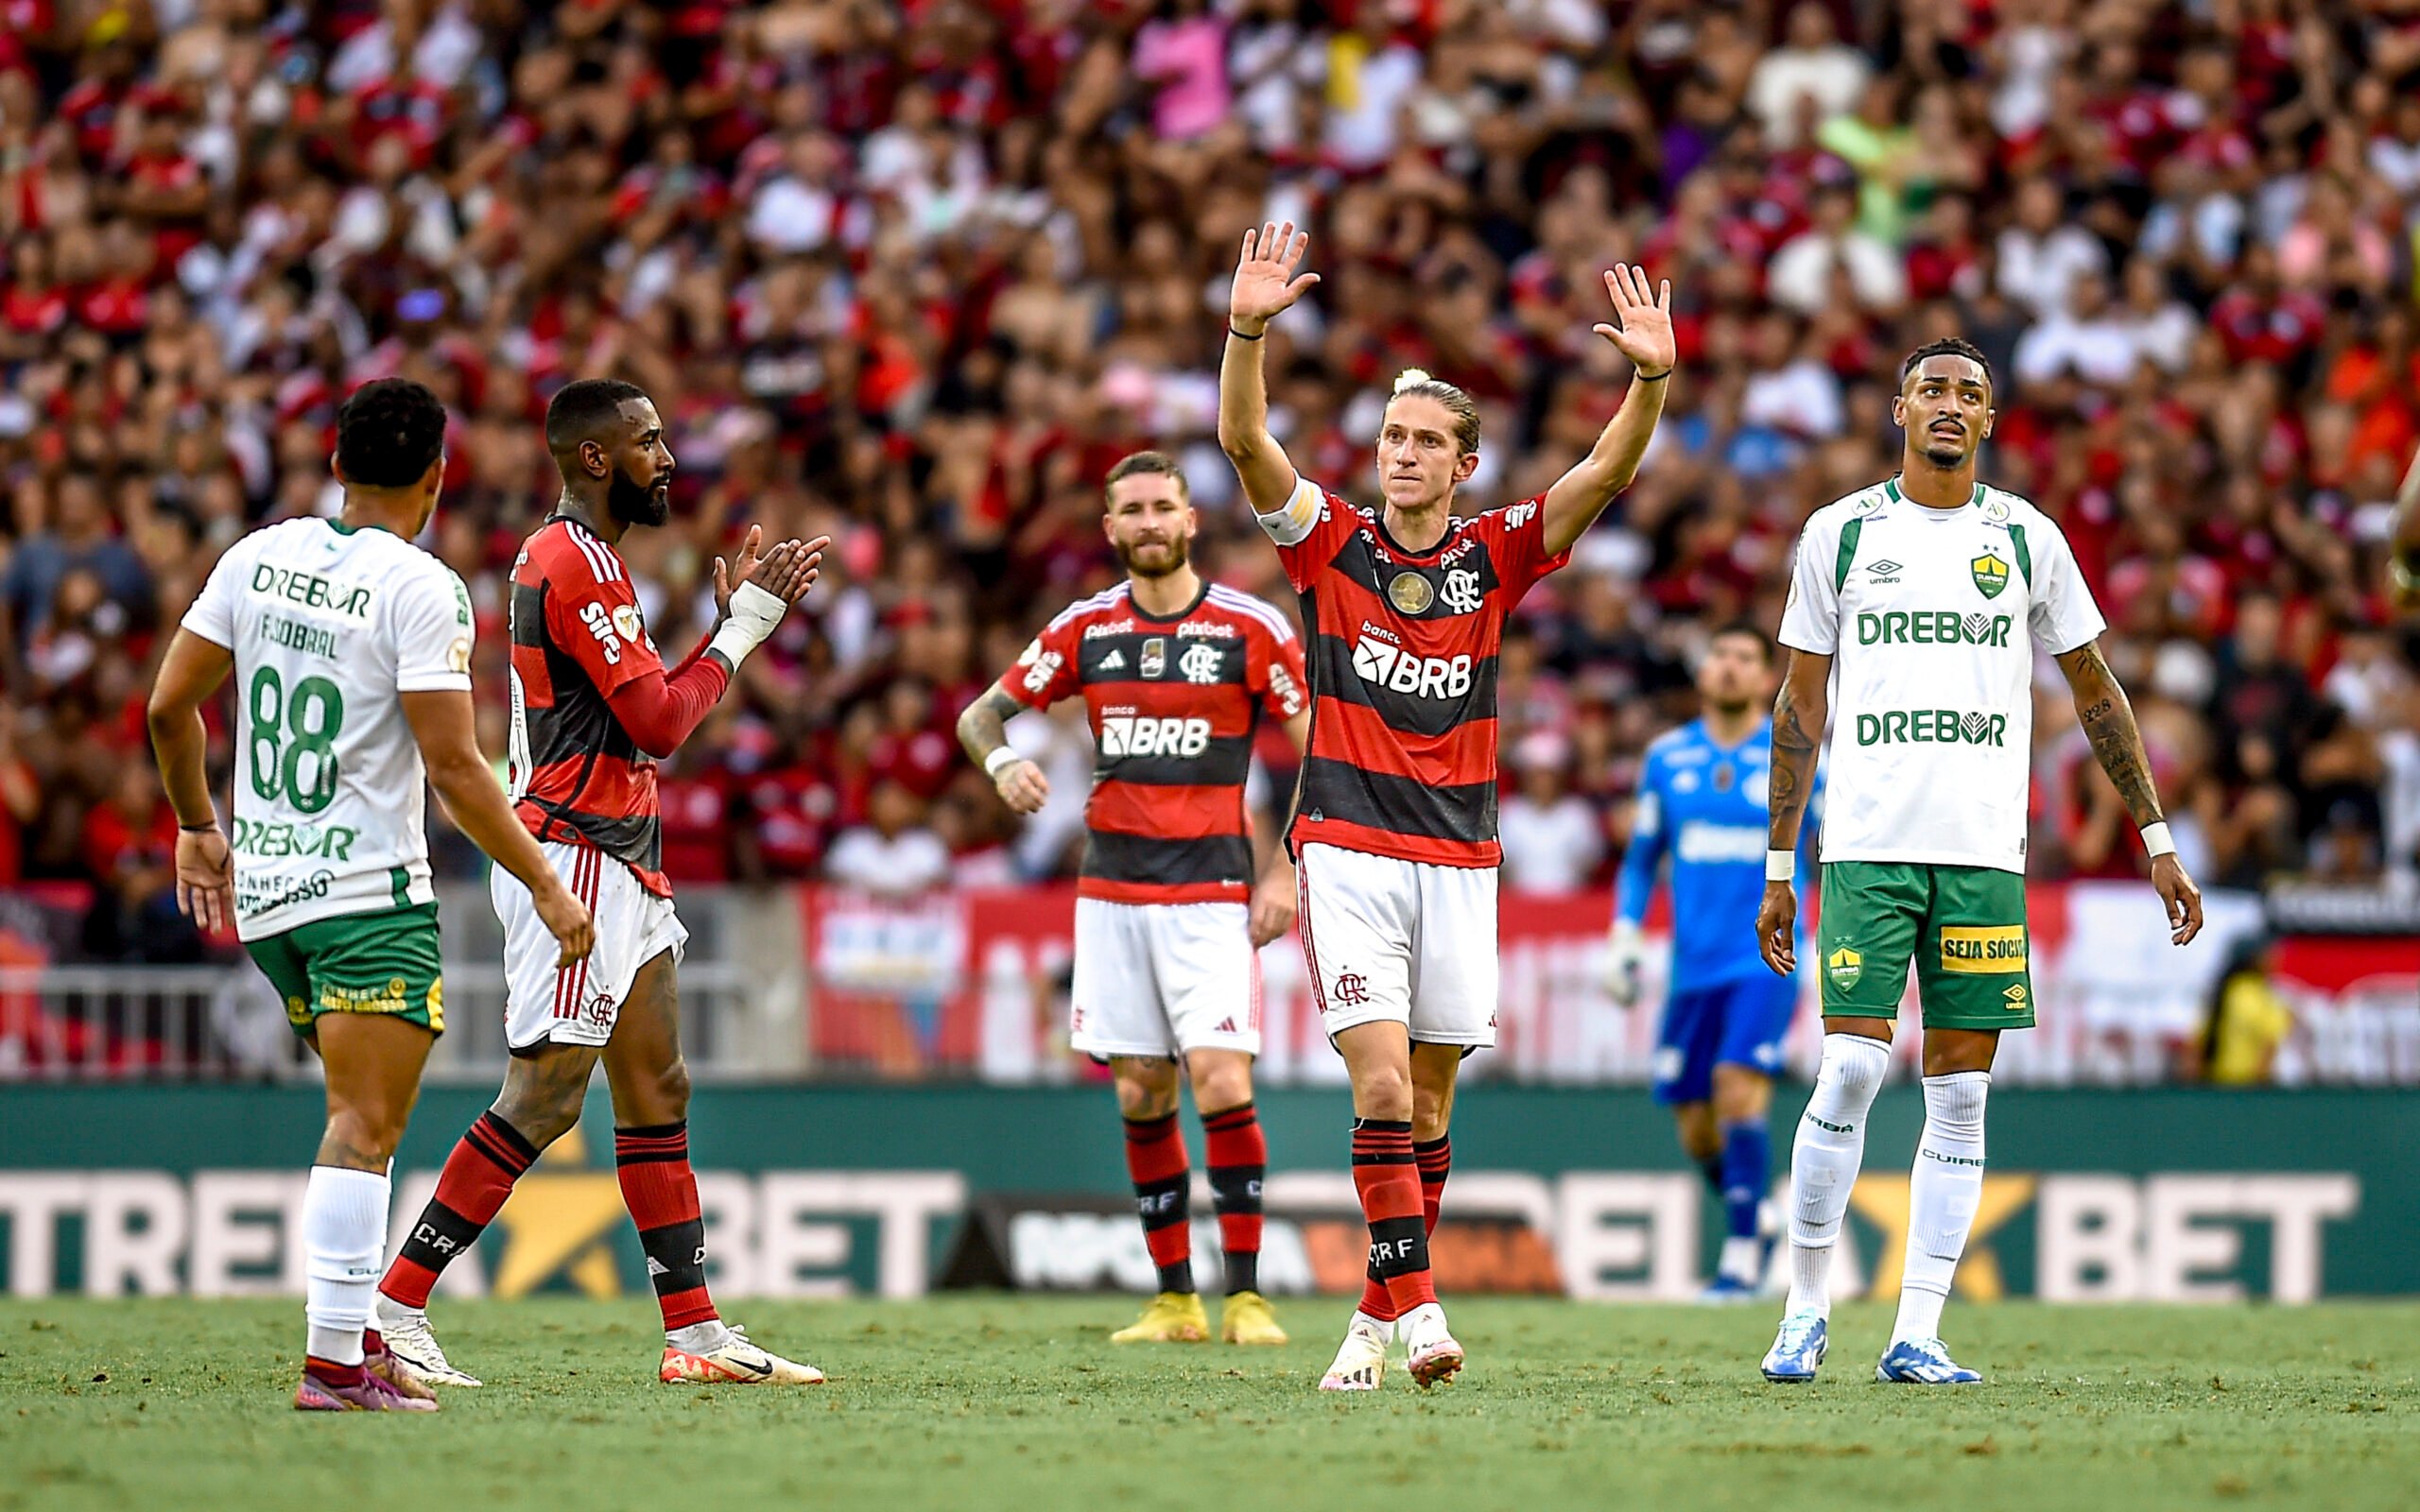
<point x="1964" y="925"/>
<point x="361" y="963"/>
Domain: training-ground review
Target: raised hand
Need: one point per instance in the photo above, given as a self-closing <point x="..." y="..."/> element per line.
<point x="790" y="568"/>
<point x="1644" y="315"/>
<point x="1266" y="282"/>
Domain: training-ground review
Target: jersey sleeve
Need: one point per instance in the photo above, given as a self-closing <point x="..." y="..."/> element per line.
<point x="2064" y="615"/>
<point x="1813" y="620"/>
<point x="1516" y="541"/>
<point x="1276" y="677"/>
<point x="1309" y="531"/>
<point x="1048" y="671"/>
<point x="431" y="623"/>
<point x="213" y="614"/>
<point x="1648" y="835"/>
<point x="594" y="618"/>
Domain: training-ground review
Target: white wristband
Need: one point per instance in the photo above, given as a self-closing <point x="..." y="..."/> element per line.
<point x="756" y="614"/>
<point x="1000" y="761"/>
<point x="1781" y="865"/>
<point x="2157" y="840"/>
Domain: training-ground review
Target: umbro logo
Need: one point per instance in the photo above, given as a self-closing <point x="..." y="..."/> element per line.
<point x="1115" y="662"/>
<point x="1883" y="571"/>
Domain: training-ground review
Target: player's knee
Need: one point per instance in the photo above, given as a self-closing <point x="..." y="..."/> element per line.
<point x="1145" y="1089"/>
<point x="1430" y="1108"/>
<point x="362" y="1136"/>
<point x="1855" y="1069"/>
<point x="1739" y="1096"/>
<point x="1383" y="1093"/>
<point x="1221" y="1086"/>
<point x="669" y="1090"/>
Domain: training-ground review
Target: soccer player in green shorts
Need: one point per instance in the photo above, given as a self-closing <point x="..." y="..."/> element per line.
<point x="351" y="653"/>
<point x="1926" y="594"/>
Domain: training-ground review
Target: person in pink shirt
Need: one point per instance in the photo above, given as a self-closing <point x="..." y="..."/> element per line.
<point x="1186" y="56"/>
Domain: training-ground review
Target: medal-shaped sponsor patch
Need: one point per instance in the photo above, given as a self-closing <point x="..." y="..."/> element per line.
<point x="1155" y="657"/>
<point x="1991" y="574"/>
<point x="1410" y="593"/>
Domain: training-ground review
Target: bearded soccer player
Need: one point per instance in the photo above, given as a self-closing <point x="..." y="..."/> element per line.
<point x="1701" y="795"/>
<point x="593" y="710"/>
<point x="352" y="650"/>
<point x="1394" y="836"/>
<point x="1929" y="591"/>
<point x="1175" y="673"/>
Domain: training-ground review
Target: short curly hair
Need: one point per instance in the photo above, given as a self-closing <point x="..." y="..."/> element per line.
<point x="388" y="431"/>
<point x="1947" y="347"/>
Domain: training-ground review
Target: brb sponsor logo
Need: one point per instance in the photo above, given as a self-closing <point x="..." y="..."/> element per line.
<point x="1143" y="735"/>
<point x="1932" y="626"/>
<point x="1397" y="670"/>
<point x="1932" y="727"/>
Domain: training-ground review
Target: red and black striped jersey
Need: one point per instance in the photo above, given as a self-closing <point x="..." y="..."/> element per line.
<point x="1173" y="703"/>
<point x="1402" y="759"/>
<point x="578" y="634"/>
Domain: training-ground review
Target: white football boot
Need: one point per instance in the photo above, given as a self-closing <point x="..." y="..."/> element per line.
<point x="412" y="1345"/>
<point x="1361" y="1359"/>
<point x="735" y="1361"/>
<point x="1435" y="1356"/>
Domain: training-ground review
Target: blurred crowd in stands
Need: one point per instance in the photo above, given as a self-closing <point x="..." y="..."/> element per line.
<point x="914" y="274"/>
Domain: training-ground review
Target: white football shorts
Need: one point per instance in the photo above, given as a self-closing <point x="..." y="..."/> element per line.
<point x="1161" y="979"/>
<point x="577" y="1004"/>
<point x="1406" y="941"/>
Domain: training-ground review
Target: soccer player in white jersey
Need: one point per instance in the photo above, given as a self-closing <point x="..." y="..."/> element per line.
<point x="1922" y="599"/>
<point x="351" y="653"/>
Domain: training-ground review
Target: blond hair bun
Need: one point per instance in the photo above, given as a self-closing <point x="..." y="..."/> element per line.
<point x="1411" y="378"/>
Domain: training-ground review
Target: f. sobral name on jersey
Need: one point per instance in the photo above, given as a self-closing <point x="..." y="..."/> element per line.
<point x="1932" y="626"/>
<point x="1386" y="666"/>
<point x="1932" y="727"/>
<point x="1144" y="735"/>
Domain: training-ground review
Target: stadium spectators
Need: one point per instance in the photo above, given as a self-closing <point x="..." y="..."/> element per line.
<point x="916" y="273"/>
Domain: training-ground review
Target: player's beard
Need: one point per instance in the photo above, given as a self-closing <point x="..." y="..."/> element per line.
<point x="1179" y="553"/>
<point x="634" y="503"/>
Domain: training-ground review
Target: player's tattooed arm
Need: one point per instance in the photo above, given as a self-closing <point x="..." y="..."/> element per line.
<point x="1798" y="736"/>
<point x="2108" y="721"/>
<point x="983" y="731"/>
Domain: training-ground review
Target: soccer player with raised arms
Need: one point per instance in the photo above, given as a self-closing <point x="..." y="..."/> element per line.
<point x="1922" y="598"/>
<point x="1701" y="806"/>
<point x="350" y="650"/>
<point x="1175" y="674"/>
<point x="594" y="707"/>
<point x="1394" y="836"/>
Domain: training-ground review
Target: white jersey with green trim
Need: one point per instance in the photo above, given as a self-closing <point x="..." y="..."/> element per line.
<point x="1930" y="617"/>
<point x="329" y="625"/>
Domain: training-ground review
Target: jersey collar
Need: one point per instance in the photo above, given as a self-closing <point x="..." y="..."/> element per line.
<point x="1890" y="491"/>
<point x="1142" y="613"/>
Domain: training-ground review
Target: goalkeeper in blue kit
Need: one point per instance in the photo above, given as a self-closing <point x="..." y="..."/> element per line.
<point x="1701" y="803"/>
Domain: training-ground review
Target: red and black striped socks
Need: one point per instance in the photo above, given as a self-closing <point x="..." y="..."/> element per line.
<point x="1387" y="1175"/>
<point x="1162" y="1196"/>
<point x="661" y="1191"/>
<point x="1239" y="1157"/>
<point x="1434" y="1159"/>
<point x="478" y="1176"/>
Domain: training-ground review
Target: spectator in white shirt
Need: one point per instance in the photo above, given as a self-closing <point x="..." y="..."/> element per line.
<point x="894" y="856"/>
<point x="2087" y="340"/>
<point x="2039" y="257"/>
<point x="1812" y="63"/>
<point x="1800" y="275"/>
<point x="1552" y="840"/>
<point x="2163" y="327"/>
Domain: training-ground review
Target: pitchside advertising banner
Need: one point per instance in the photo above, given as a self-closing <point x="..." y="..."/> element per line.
<point x="975" y="983"/>
<point x="2176" y="1194"/>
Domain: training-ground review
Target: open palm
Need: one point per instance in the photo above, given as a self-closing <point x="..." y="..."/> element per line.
<point x="1643" y="331"/>
<point x="1265" y="279"/>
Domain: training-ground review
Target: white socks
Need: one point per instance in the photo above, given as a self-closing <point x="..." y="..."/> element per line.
<point x="344" y="1235"/>
<point x="1947" y="1183"/>
<point x="1823" y="1161"/>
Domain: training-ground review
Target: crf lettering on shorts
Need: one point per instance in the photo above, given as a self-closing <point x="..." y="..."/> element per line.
<point x="1995" y="949"/>
<point x="1932" y="727"/>
<point x="1931" y="627"/>
<point x="1142" y="736"/>
<point x="1400" y="671"/>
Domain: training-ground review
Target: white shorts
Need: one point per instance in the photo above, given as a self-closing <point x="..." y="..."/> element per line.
<point x="1159" y="979"/>
<point x="1408" y="942"/>
<point x="577" y="1005"/>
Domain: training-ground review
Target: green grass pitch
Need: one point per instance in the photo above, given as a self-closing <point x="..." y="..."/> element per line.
<point x="972" y="1402"/>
